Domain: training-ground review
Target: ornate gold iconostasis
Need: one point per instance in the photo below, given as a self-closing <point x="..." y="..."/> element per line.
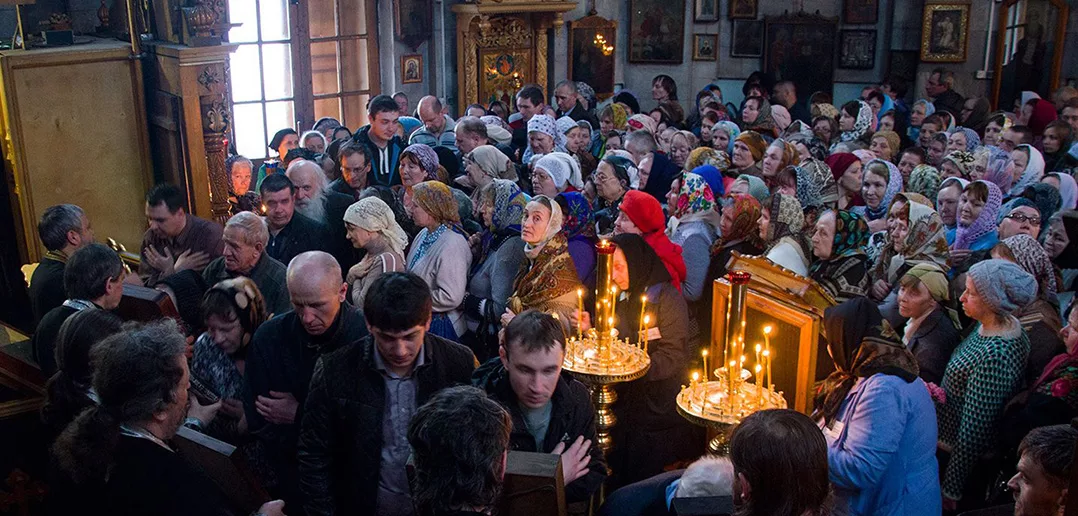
<point x="502" y="45"/>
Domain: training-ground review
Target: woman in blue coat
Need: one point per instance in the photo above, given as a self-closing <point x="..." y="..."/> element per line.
<point x="878" y="418"/>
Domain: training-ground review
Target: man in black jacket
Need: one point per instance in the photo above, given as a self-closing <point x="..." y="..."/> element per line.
<point x="282" y="357"/>
<point x="63" y="229"/>
<point x="380" y="138"/>
<point x="353" y="444"/>
<point x="291" y="232"/>
<point x="552" y="412"/>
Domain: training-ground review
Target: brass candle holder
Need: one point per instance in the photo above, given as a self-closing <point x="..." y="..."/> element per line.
<point x="725" y="396"/>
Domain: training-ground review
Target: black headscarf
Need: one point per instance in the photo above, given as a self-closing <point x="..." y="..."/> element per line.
<point x="448" y="160"/>
<point x="645" y="269"/>
<point x="1068" y="259"/>
<point x="275" y="142"/>
<point x="862" y="344"/>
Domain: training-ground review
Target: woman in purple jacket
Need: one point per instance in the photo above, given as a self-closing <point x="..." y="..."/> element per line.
<point x="877" y="417"/>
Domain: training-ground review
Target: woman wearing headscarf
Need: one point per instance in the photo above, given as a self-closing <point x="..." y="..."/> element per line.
<point x="963" y="139"/>
<point x="932" y="328"/>
<point x="681" y="143"/>
<point x="723" y="135"/>
<point x="646" y="409"/>
<point x="499" y="256"/>
<point x="838" y="241"/>
<point x="808" y="146"/>
<point x="543" y="137"/>
<point x="977" y="229"/>
<point x="694" y="218"/>
<point x="777" y="156"/>
<point x="1026" y="167"/>
<point x="643" y="122"/>
<point x="613" y="118"/>
<point x="642" y="215"/>
<point x="372" y="227"/>
<point x="615" y="176"/>
<point x="739" y="230"/>
<point x="440" y="255"/>
<point x="957" y="164"/>
<point x="781" y="228"/>
<point x="856" y="121"/>
<point x="548" y="281"/>
<point x="877" y="417"/>
<point x="1041" y="318"/>
<point x="826" y="129"/>
<point x="984" y="372"/>
<point x="701" y="156"/>
<point x="485" y="164"/>
<point x="816" y="188"/>
<point x="925" y="180"/>
<point x="241" y="197"/>
<point x="915" y="234"/>
<point x="1061" y="244"/>
<point x="750" y="185"/>
<point x="1067" y="186"/>
<point x="881" y="183"/>
<point x="749" y="148"/>
<point x="1044" y="112"/>
<point x="846" y="170"/>
<point x="555" y="173"/>
<point x="975" y="113"/>
<point x="756" y="117"/>
<point x="419" y="163"/>
<point x="579" y="230"/>
<point x="885" y="145"/>
<point x="232" y="311"/>
<point x="921" y="109"/>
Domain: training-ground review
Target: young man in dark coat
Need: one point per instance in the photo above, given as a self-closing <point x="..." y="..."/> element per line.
<point x="353" y="443"/>
<point x="551" y="411"/>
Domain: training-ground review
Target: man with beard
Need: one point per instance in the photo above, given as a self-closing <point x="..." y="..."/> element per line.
<point x="316" y="201"/>
<point x="291" y="233"/>
<point x="115" y="458"/>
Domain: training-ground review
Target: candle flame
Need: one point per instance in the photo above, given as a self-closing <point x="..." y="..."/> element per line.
<point x="759" y="367"/>
<point x="695" y="376"/>
<point x="704" y="352"/>
<point x="767" y="352"/>
<point x="644" y="298"/>
<point x="759" y="347"/>
<point x="647" y="319"/>
<point x="579" y="292"/>
<point x="767" y="330"/>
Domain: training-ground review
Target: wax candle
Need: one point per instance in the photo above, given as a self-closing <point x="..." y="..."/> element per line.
<point x="643" y="307"/>
<point x="644" y="337"/>
<point x="707" y="373"/>
<point x="758" y="368"/>
<point x="767" y="360"/>
<point x="579" y="313"/>
<point x="759" y="387"/>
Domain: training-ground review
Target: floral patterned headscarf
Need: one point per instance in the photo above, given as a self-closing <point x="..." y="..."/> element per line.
<point x="695" y="202"/>
<point x="509" y="202"/>
<point x="925" y="180"/>
<point x="579" y="220"/>
<point x="851" y="234"/>
<point x="746" y="226"/>
<point x="707" y="156"/>
<point x="961" y="159"/>
<point x="620" y="116"/>
<point x="926" y="242"/>
<point x="816" y="185"/>
<point x="246" y="300"/>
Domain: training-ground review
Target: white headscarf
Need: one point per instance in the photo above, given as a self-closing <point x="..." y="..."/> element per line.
<point x="374" y="215"/>
<point x="562" y="168"/>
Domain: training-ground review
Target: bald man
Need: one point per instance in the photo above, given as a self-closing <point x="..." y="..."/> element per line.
<point x="317" y="201"/>
<point x="282" y="354"/>
<point x="438" y="128"/>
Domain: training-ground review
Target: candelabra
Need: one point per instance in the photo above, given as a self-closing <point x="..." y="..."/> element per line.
<point x="722" y="402"/>
<point x="598" y="357"/>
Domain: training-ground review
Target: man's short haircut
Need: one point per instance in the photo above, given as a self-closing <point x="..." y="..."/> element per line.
<point x="1024" y="132"/>
<point x="89" y="269"/>
<point x="473" y="126"/>
<point x="351" y="148"/>
<point x="1072" y="104"/>
<point x="897" y="84"/>
<point x="934" y="119"/>
<point x="946" y="76"/>
<point x="397" y="301"/>
<point x="1052" y="448"/>
<point x="461" y="467"/>
<point x="534" y="331"/>
<point x="253" y="227"/>
<point x="400" y="94"/>
<point x="382" y="104"/>
<point x="475" y="106"/>
<point x="55" y="224"/>
<point x="916" y="151"/>
<point x="569" y="84"/>
<point x="783" y="455"/>
<point x="533" y="93"/>
<point x="165" y="193"/>
<point x="275" y="183"/>
<point x="707" y="476"/>
<point x="642" y="140"/>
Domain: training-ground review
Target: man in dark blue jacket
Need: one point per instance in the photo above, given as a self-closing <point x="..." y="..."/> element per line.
<point x="380" y="138"/>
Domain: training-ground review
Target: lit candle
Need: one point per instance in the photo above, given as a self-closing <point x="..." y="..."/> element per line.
<point x="579" y="313"/>
<point x="758" y="368"/>
<point x="643" y="306"/>
<point x="707" y="373"/>
<point x="694" y="385"/>
<point x="730" y="382"/>
<point x="759" y="387"/>
<point x="644" y="336"/>
<point x="767" y="360"/>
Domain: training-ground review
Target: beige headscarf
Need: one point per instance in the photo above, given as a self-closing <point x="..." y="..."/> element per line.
<point x="374" y="215"/>
<point x="493" y="162"/>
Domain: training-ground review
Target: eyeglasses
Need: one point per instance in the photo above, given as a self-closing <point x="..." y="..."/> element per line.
<point x="1021" y="219"/>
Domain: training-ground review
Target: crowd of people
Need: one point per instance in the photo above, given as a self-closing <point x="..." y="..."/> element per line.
<point x="362" y="276"/>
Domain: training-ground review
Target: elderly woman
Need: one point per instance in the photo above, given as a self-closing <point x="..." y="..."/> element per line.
<point x="826" y="129"/>
<point x="419" y="163"/>
<point x="579" y="230"/>
<point x="240" y="195"/>
<point x="936" y="149"/>
<point x="485" y="164"/>
<point x="750" y="185"/>
<point x="1067" y="186"/>
<point x="950" y="190"/>
<point x="681" y="143"/>
<point x="642" y="215"/>
<point x="499" y="254"/>
<point x="70" y="390"/>
<point x="440" y="255"/>
<point x="314" y="141"/>
<point x="924" y="180"/>
<point x="749" y="148"/>
<point x="543" y="137"/>
<point x="756" y="116"/>
<point x="856" y="121"/>
<point x="371" y="226"/>
<point x="578" y="142"/>
<point x="779" y="155"/>
<point x="920" y="109"/>
<point x="915" y="234"/>
<point x="838" y="242"/>
<point x="932" y="329"/>
<point x="984" y="372"/>
<point x="877" y="417"/>
<point x="957" y="164"/>
<point x="1027" y="168"/>
<point x="548" y="281"/>
<point x="555" y="173"/>
<point x="1040" y="318"/>
<point x="977" y="231"/>
<point x="780" y="227"/>
<point x="723" y="135"/>
<point x="882" y="182"/>
<point x="963" y="139"/>
<point x="615" y="176"/>
<point x="885" y="145"/>
<point x="816" y="188"/>
<point x="694" y="218"/>
<point x="232" y="311"/>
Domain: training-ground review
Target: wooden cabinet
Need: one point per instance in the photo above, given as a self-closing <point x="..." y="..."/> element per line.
<point x="74" y="131"/>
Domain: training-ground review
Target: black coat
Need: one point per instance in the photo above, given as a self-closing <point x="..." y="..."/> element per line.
<point x="572" y="415"/>
<point x="300" y="235"/>
<point x="47" y="287"/>
<point x="340" y="444"/>
<point x="43" y="343"/>
<point x="346" y="255"/>
<point x="933" y="343"/>
<point x="377" y="176"/>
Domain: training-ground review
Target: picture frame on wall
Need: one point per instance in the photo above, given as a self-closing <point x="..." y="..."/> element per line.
<point x="903" y="64"/>
<point x="413" y="21"/>
<point x="657" y="31"/>
<point x="945" y="31"/>
<point x="592" y="53"/>
<point x="743" y="9"/>
<point x="706" y="10"/>
<point x="411" y="68"/>
<point x="747" y="38"/>
<point x="705" y="47"/>
<point x="860" y="12"/>
<point x="801" y="48"/>
<point x="857" y="49"/>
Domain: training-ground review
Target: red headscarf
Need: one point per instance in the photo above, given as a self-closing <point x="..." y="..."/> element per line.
<point x="647" y="214"/>
<point x="839" y="162"/>
<point x="1044" y="112"/>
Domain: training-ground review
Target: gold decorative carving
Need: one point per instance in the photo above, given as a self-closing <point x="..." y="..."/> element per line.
<point x="505" y="32"/>
<point x="540" y="58"/>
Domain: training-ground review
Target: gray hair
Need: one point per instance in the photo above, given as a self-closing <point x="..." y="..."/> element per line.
<point x="312" y="134"/>
<point x="568" y="84"/>
<point x="316" y="169"/>
<point x="253" y="226"/>
<point x="708" y="476"/>
<point x="472" y="125"/>
<point x="642" y="140"/>
<point x="56" y="222"/>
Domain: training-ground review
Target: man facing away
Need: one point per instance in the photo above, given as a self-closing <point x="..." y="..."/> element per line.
<point x="353" y="443"/>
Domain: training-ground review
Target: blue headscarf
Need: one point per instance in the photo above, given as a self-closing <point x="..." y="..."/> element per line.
<point x="712" y="177"/>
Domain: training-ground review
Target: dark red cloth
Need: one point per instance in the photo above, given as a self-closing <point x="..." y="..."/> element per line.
<point x="839" y="162"/>
<point x="647" y="214"/>
<point x="1044" y="112"/>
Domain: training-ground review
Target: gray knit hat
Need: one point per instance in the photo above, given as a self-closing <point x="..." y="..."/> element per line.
<point x="1003" y="285"/>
